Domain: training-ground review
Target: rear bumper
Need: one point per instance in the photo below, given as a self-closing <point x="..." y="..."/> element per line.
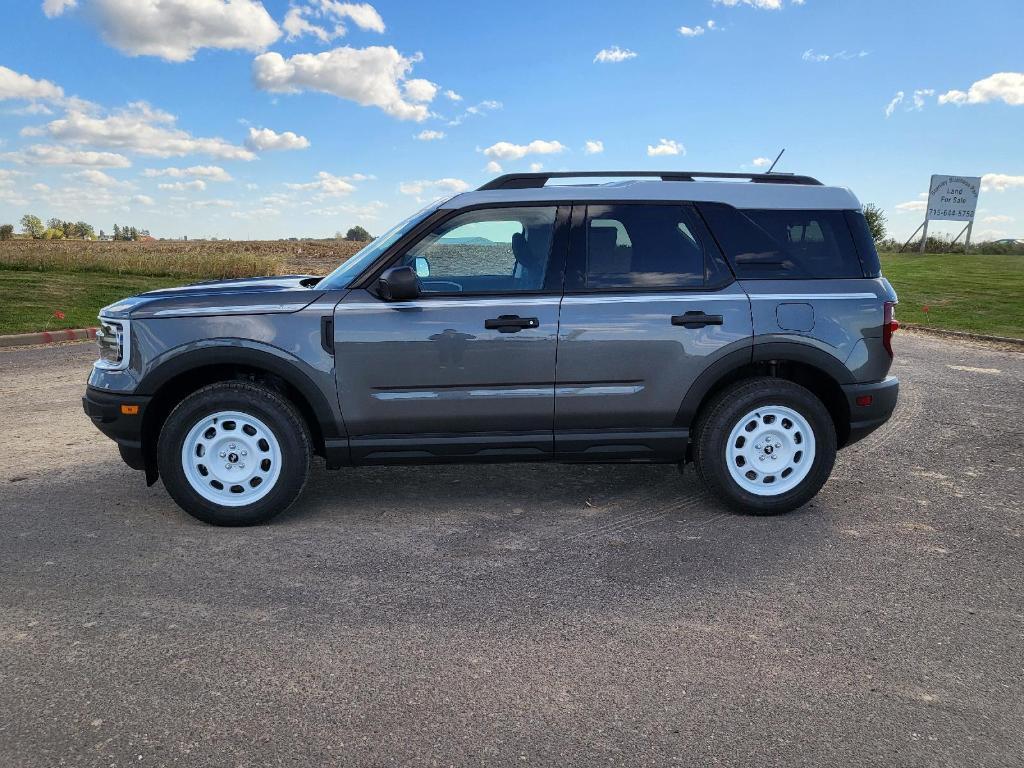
<point x="104" y="409"/>
<point x="865" y="419"/>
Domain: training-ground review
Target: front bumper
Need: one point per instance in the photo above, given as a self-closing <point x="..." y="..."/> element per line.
<point x="125" y="429"/>
<point x="865" y="419"/>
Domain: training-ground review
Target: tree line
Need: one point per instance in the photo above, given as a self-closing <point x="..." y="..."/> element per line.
<point x="58" y="229"/>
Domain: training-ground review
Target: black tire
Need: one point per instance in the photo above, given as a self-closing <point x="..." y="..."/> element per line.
<point x="275" y="411"/>
<point x="717" y="420"/>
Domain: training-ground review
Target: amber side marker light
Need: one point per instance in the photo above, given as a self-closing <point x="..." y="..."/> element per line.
<point x="130" y="410"/>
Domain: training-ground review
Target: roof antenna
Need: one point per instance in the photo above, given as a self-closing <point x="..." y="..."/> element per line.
<point x="776" y="160"/>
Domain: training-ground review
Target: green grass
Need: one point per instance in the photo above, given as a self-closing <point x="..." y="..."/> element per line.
<point x="976" y="293"/>
<point x="28" y="300"/>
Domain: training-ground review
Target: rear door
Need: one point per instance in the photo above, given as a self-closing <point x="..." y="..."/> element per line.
<point x="649" y="305"/>
<point x="467" y="369"/>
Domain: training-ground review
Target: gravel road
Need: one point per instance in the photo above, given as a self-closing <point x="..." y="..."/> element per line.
<point x="527" y="615"/>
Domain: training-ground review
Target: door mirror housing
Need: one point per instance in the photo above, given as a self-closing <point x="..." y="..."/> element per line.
<point x="399" y="284"/>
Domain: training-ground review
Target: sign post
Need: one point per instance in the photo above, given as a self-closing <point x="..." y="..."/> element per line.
<point x="952" y="198"/>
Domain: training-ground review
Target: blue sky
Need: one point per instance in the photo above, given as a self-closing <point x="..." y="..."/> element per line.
<point x="271" y="119"/>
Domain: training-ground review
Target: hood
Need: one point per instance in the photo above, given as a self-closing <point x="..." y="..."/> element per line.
<point x="249" y="296"/>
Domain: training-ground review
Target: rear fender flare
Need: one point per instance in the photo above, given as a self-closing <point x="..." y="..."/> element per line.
<point x="729" y="364"/>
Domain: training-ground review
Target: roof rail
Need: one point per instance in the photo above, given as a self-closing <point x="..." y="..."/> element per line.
<point x="538" y="180"/>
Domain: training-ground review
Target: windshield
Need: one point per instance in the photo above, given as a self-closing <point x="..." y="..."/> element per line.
<point x="343" y="275"/>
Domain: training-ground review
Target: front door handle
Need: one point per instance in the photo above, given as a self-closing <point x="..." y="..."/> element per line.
<point x="510" y="323"/>
<point x="696" y="319"/>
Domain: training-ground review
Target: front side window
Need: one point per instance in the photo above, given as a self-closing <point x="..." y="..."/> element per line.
<point x="643" y="246"/>
<point x="492" y="250"/>
<point x="781" y="244"/>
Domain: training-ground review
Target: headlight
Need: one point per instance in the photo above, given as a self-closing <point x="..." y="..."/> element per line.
<point x="113" y="339"/>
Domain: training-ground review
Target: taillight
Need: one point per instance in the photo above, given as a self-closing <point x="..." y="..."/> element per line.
<point x="889" y="326"/>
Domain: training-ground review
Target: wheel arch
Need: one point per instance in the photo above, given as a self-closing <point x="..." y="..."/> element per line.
<point x="168" y="382"/>
<point x="804" y="364"/>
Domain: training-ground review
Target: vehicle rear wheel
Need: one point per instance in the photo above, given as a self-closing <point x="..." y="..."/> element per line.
<point x="765" y="446"/>
<point x="234" y="453"/>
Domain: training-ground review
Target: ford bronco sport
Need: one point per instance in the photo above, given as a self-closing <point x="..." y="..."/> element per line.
<point x="740" y="322"/>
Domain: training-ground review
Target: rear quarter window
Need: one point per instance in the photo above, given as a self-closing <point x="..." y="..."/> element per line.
<point x="785" y="244"/>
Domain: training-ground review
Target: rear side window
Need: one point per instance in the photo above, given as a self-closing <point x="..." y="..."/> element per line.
<point x="777" y="244"/>
<point x="643" y="247"/>
<point x="865" y="243"/>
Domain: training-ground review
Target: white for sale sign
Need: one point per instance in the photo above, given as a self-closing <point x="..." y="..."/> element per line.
<point x="953" y="198"/>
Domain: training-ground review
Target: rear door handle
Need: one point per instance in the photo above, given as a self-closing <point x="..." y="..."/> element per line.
<point x="696" y="319"/>
<point x="511" y="323"/>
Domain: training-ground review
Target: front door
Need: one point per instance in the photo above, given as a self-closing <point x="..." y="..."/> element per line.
<point x="649" y="304"/>
<point x="466" y="371"/>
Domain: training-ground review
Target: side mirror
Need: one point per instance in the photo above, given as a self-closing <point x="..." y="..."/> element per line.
<point x="422" y="266"/>
<point x="399" y="284"/>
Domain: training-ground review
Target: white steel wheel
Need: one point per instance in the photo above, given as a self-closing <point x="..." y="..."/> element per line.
<point x="770" y="450"/>
<point x="231" y="458"/>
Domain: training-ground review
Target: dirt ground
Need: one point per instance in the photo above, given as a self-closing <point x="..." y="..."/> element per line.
<point x="522" y="614"/>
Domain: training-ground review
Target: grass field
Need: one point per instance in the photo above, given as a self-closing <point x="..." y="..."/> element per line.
<point x="28" y="300"/>
<point x="980" y="294"/>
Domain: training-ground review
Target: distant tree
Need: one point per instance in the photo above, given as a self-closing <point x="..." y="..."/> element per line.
<point x="358" y="234"/>
<point x="53" y="233"/>
<point x="6" y="232"/>
<point x="32" y="225"/>
<point x="876" y="221"/>
<point x="117" y="232"/>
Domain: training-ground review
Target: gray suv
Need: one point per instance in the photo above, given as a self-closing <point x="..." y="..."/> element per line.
<point x="738" y="322"/>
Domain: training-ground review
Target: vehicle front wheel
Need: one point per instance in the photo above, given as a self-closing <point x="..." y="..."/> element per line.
<point x="765" y="446"/>
<point x="234" y="453"/>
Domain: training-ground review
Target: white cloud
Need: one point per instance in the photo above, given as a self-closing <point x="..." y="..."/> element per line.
<point x="175" y="29"/>
<point x="1007" y="87"/>
<point x="666" y="147"/>
<point x="331" y="16"/>
<point x="140" y="128"/>
<point x="52" y="154"/>
<point x="1000" y="182"/>
<point x="143" y="200"/>
<point x="614" y="55"/>
<point x="593" y="147"/>
<point x="919" y="96"/>
<point x="810" y="55"/>
<point x="56" y="7"/>
<point x="536" y="167"/>
<point x="912" y="205"/>
<point x="429" y="135"/>
<point x="997" y="219"/>
<point x="197" y="185"/>
<point x="441" y="186"/>
<point x="761" y="162"/>
<point x="266" y="140"/>
<point x="691" y="31"/>
<point x="896" y="101"/>
<point x="493" y="167"/>
<point x="506" y="150"/>
<point x="368" y="76"/>
<point x="329" y="185"/>
<point x="99" y="179"/>
<point x="40" y="187"/>
<point x="14" y="85"/>
<point x="35" y="108"/>
<point x="420" y="90"/>
<point x="452" y="95"/>
<point x="482" y="108"/>
<point x="208" y="172"/>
